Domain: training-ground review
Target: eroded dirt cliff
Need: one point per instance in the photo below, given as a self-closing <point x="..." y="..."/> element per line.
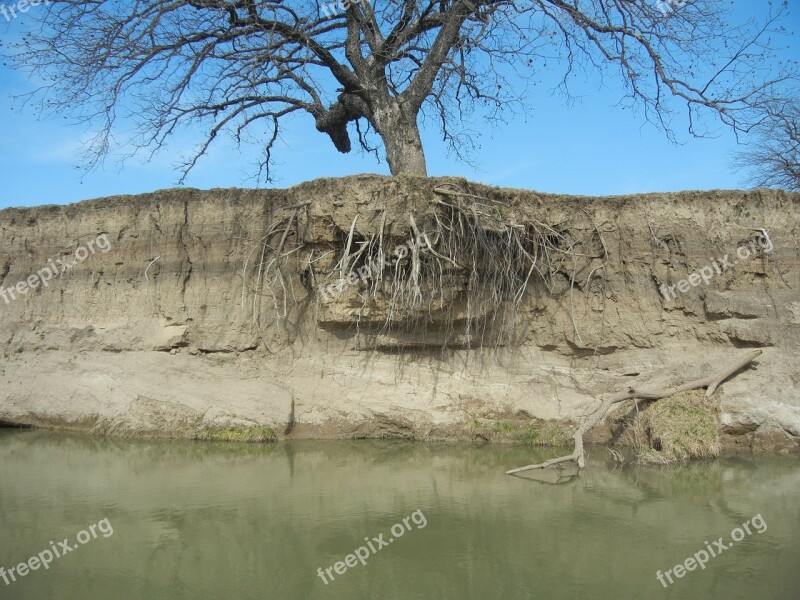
<point x="471" y="312"/>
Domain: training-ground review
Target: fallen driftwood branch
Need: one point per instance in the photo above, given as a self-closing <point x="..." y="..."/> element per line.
<point x="711" y="383"/>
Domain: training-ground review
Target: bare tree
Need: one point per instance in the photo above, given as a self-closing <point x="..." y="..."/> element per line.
<point x="357" y="68"/>
<point x="773" y="159"/>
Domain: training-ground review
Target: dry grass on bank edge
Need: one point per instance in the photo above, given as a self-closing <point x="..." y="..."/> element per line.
<point x="676" y="429"/>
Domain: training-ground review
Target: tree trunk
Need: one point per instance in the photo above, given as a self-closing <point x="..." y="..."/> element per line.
<point x="400" y="134"/>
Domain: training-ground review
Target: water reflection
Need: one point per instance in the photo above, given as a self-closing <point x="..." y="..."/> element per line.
<point x="207" y="520"/>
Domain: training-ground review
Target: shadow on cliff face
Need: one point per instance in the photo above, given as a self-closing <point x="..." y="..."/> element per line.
<point x="11" y="425"/>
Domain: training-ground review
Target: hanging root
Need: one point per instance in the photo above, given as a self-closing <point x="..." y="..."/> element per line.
<point x="464" y="262"/>
<point x="710" y="382"/>
<point x="265" y="266"/>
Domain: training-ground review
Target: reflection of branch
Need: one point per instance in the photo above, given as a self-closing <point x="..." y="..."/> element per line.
<point x="558" y="475"/>
<point x="711" y="382"/>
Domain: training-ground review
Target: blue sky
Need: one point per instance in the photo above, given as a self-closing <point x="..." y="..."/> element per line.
<point x="590" y="147"/>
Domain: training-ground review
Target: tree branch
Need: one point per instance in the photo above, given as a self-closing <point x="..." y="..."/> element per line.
<point x="711" y="382"/>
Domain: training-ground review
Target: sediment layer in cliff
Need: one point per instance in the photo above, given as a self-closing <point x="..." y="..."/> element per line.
<point x="394" y="307"/>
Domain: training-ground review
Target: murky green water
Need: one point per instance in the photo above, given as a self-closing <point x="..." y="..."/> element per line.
<point x="204" y="520"/>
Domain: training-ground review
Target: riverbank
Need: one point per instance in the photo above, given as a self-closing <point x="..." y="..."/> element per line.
<point x="206" y="316"/>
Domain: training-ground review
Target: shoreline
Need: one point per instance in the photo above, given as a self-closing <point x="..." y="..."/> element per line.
<point x="174" y="328"/>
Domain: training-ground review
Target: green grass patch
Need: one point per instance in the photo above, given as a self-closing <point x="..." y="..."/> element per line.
<point x="261" y="433"/>
<point x="506" y="427"/>
<point x="544" y="433"/>
<point x="534" y="432"/>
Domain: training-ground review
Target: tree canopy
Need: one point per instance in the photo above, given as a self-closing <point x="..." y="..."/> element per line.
<point x="773" y="156"/>
<point x="356" y="68"/>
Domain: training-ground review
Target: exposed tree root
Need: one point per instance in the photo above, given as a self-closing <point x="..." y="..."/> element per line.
<point x="268" y="277"/>
<point x="463" y="262"/>
<point x="710" y="382"/>
<point x="458" y="266"/>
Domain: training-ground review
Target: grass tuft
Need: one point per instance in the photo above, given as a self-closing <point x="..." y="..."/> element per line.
<point x="676" y="429"/>
<point x="263" y="433"/>
<point x="544" y="433"/>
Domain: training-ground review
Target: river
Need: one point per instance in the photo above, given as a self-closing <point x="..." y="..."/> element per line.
<point x="97" y="517"/>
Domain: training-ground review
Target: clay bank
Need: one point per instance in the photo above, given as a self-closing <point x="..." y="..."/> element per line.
<point x="377" y="307"/>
